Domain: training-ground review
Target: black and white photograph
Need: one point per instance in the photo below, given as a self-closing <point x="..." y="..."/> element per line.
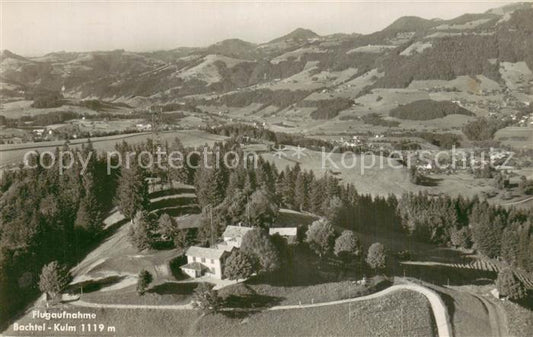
<point x="258" y="168"/>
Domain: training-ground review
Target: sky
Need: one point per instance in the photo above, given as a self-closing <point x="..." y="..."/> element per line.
<point x="33" y="28"/>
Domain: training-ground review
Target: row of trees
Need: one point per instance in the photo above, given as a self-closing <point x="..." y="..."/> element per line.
<point x="322" y="238"/>
<point x="494" y="231"/>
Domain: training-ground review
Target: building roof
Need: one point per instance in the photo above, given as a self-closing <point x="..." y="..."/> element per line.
<point x="194" y="266"/>
<point x="209" y="253"/>
<point x="283" y="231"/>
<point x="236" y="231"/>
<point x="224" y="246"/>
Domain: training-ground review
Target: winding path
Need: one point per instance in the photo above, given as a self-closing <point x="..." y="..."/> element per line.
<point x="517" y="202"/>
<point x="442" y="319"/>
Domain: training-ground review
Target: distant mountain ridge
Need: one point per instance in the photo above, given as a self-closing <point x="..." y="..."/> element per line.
<point x="299" y="34"/>
<point x="409" y="49"/>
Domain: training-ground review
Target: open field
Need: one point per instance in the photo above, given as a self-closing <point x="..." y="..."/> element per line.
<point x="21" y="108"/>
<point x="376" y="175"/>
<point x="11" y="154"/>
<point x="392" y="180"/>
<point x="160" y="294"/>
<point x="400" y="313"/>
<point x="256" y="293"/>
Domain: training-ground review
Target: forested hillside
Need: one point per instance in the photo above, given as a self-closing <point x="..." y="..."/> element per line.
<point x="410" y="49"/>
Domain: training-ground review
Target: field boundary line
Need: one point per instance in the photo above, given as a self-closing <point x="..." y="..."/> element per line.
<point x="442" y="319"/>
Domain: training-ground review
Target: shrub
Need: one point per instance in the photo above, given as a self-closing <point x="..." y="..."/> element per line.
<point x="144" y="279"/>
<point x="206" y="299"/>
<point x="347" y="245"/>
<point x="238" y="266"/>
<point x="377" y="257"/>
<point x="461" y="237"/>
<point x="320" y="236"/>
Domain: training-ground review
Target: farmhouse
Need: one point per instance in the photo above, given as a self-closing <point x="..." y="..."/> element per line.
<point x="205" y="261"/>
<point x="232" y="236"/>
<point x="210" y="261"/>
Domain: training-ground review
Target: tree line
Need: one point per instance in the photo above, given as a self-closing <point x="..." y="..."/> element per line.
<point x="47" y="216"/>
<point x="253" y="194"/>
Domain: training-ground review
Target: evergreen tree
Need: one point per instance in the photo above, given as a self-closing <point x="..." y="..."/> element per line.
<point x="317" y="195"/>
<point x="167" y="226"/>
<point x="211" y="183"/>
<point x="287" y="190"/>
<point x="262" y="209"/>
<point x="510" y="244"/>
<point x="301" y="192"/>
<point x="89" y="216"/>
<point x="183" y="238"/>
<point x="132" y="191"/>
<point x="333" y="210"/>
<point x="250" y="183"/>
<point x="487" y="231"/>
<point x="236" y="206"/>
<point x="140" y="231"/>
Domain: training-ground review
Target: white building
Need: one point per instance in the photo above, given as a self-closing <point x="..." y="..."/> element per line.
<point x="289" y="233"/>
<point x="205" y="261"/>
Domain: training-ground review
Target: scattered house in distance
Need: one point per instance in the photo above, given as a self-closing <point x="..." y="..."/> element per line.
<point x="143" y="127"/>
<point x="205" y="261"/>
<point x="289" y="233"/>
<point x="232" y="236"/>
<point x="38" y="132"/>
